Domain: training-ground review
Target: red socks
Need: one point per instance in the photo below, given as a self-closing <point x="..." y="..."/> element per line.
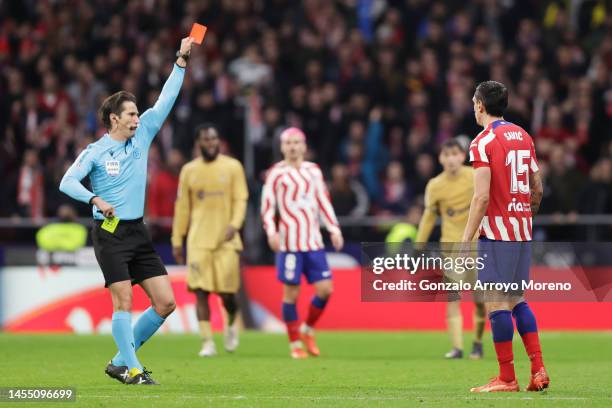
<point x="317" y="305"/>
<point x="313" y="315"/>
<point x="293" y="330"/>
<point x="505" y="357"/>
<point x="532" y="346"/>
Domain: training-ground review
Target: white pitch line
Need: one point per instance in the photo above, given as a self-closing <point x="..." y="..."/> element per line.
<point x="350" y="398"/>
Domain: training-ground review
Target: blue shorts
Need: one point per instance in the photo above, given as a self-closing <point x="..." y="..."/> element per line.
<point x="291" y="265"/>
<point x="504" y="261"/>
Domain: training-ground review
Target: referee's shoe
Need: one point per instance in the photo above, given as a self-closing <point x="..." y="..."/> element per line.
<point x="119" y="373"/>
<point x="137" y="377"/>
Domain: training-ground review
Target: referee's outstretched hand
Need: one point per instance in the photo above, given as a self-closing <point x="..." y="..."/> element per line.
<point x="107" y="210"/>
<point x="186" y="44"/>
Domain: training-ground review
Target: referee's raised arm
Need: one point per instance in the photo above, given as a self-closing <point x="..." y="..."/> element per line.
<point x="153" y="118"/>
<point x="117" y="163"/>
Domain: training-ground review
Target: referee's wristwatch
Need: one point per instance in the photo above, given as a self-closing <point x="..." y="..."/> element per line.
<point x="185" y="57"/>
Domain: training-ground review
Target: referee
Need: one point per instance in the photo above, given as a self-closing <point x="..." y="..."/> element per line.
<point x="117" y="168"/>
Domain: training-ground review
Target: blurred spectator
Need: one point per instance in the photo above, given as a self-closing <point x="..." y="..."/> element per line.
<point x="425" y="167"/>
<point x="564" y="181"/>
<point x="30" y="187"/>
<point x="249" y="69"/>
<point x="598" y="189"/>
<point x="163" y="186"/>
<point x="396" y="196"/>
<point x="552" y="133"/>
<point x="348" y="196"/>
<point x="85" y="91"/>
<point x="375" y="157"/>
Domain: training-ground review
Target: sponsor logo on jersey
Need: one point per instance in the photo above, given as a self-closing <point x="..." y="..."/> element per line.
<point x="113" y="167"/>
<point x="518" y="206"/>
<point x="201" y="194"/>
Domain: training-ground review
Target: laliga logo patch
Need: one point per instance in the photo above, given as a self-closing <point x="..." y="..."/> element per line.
<point x="112" y="167"/>
<point x="136" y="153"/>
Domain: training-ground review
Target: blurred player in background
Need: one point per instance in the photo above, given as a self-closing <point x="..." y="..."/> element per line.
<point x="117" y="168"/>
<point x="296" y="188"/>
<point x="448" y="196"/>
<point x="210" y="209"/>
<point x="507" y="193"/>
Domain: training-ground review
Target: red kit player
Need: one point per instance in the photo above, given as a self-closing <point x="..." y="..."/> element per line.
<point x="507" y="193"/>
<point x="297" y="190"/>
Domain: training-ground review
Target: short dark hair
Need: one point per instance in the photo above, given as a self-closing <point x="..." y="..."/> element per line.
<point x="450" y="143"/>
<point x="494" y="97"/>
<point x="114" y="104"/>
<point x="205" y="127"/>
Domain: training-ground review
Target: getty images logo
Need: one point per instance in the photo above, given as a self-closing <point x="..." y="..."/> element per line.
<point x="518" y="207"/>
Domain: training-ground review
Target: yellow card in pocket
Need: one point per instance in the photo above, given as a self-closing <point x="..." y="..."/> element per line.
<point x="110" y="224"/>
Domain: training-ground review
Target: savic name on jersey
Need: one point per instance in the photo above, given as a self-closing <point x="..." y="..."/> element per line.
<point x="509" y="151"/>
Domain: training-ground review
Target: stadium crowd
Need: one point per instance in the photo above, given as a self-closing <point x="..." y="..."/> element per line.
<point x="377" y="86"/>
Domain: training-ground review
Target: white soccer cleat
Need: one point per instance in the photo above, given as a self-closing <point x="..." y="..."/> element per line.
<point x="231" y="339"/>
<point x="208" y="349"/>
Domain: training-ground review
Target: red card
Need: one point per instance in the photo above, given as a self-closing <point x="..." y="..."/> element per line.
<point x="198" y="31"/>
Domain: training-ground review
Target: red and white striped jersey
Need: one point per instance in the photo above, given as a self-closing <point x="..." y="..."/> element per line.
<point x="302" y="198"/>
<point x="508" y="150"/>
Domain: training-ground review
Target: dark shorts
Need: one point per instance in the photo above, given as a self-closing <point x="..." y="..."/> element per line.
<point x="291" y="265"/>
<point x="504" y="262"/>
<point x="126" y="254"/>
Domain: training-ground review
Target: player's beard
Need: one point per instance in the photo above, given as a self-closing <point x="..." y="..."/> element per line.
<point x="207" y="156"/>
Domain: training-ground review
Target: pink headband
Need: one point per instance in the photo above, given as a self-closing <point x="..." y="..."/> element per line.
<point x="292" y="131"/>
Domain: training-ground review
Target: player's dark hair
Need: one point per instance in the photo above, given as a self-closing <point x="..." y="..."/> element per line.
<point x="494" y="97"/>
<point x="450" y="143"/>
<point x="205" y="127"/>
<point x="114" y="104"/>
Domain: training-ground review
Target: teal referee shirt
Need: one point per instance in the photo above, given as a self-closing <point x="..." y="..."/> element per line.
<point x="118" y="170"/>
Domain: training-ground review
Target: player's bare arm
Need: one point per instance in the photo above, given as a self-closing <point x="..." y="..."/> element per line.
<point x="337" y="240"/>
<point x="273" y="242"/>
<point x="536" y="190"/>
<point x="177" y="253"/>
<point x="429" y="218"/>
<point x="182" y="214"/>
<point x="230" y="232"/>
<point x="480" y="202"/>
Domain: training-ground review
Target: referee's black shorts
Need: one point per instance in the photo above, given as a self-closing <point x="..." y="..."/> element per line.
<point x="126" y="254"/>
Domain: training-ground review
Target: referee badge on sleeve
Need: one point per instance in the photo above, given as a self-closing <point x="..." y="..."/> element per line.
<point x="113" y="167"/>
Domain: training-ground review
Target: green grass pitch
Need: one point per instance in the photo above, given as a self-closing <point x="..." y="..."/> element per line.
<point x="356" y="369"/>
